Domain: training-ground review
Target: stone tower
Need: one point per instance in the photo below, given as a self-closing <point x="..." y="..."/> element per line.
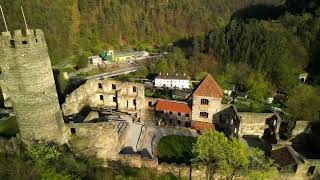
<point x="28" y="86"/>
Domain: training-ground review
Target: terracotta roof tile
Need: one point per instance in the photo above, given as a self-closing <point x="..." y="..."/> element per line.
<point x="209" y="88"/>
<point x="173" y="106"/>
<point x="282" y="157"/>
<point x="200" y="126"/>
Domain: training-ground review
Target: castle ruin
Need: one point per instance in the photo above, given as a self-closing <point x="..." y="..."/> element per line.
<point x="28" y="85"/>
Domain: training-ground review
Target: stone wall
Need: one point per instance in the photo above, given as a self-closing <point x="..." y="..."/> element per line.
<point x="95" y="139"/>
<point x="123" y="96"/>
<point x="212" y="108"/>
<point x="301" y="126"/>
<point x="253" y="124"/>
<point x="28" y="86"/>
<point x="182" y="170"/>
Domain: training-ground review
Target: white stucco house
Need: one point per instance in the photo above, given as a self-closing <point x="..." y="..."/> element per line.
<point x="95" y="60"/>
<point x="172" y="81"/>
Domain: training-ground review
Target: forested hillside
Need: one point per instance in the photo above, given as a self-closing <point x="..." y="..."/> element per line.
<point x="85" y="26"/>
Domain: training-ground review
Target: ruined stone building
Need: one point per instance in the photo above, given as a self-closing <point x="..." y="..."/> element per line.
<point x="106" y="94"/>
<point x="28" y="85"/>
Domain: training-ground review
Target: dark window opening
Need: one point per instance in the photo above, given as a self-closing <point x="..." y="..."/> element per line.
<point x="150" y="104"/>
<point x="170" y="112"/>
<point x="113" y="86"/>
<point x="134" y="89"/>
<point x="204" y="101"/>
<point x="178" y="122"/>
<point x="114" y="99"/>
<point x="73" y="130"/>
<point x="134" y="102"/>
<point x="187" y="115"/>
<point x="101" y="97"/>
<point x="36" y="40"/>
<point x="24" y="42"/>
<point x="187" y="124"/>
<point x="179" y="114"/>
<point x="204" y="114"/>
<point x="100" y="85"/>
<point x="311" y="170"/>
<point x="12" y="44"/>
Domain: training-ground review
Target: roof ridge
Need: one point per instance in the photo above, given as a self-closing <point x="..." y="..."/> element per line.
<point x="209" y="87"/>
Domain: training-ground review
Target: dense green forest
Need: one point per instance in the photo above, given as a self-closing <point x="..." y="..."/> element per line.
<point x="88" y="26"/>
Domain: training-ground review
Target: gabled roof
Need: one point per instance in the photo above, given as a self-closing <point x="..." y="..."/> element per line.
<point x="209" y="88"/>
<point x="173" y="106"/>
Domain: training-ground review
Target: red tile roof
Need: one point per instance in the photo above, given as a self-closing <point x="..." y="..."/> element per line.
<point x="173" y="106"/>
<point x="200" y="126"/>
<point x="209" y="88"/>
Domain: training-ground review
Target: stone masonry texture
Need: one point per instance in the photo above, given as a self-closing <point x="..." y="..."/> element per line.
<point x="28" y="85"/>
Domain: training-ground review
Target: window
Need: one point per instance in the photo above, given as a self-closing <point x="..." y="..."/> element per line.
<point x="12" y="44"/>
<point x="73" y="130"/>
<point x="204" y="114"/>
<point x="24" y="42"/>
<point x="170" y="112"/>
<point x="134" y="102"/>
<point x="311" y="170"/>
<point x="101" y="97"/>
<point x="113" y="86"/>
<point x="114" y="99"/>
<point x="179" y="114"/>
<point x="204" y="101"/>
<point x="150" y="103"/>
<point x="134" y="89"/>
<point x="187" y="115"/>
<point x="100" y="85"/>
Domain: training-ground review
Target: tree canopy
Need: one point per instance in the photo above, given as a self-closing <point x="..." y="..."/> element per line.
<point x="229" y="157"/>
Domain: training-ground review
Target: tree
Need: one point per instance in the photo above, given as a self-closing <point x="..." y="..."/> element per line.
<point x="303" y="103"/>
<point x="220" y="154"/>
<point x="257" y="86"/>
<point x="261" y="168"/>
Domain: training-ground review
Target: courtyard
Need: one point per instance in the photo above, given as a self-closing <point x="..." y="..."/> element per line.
<point x="176" y="149"/>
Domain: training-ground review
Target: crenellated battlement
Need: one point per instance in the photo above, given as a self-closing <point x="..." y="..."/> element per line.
<point x="19" y="40"/>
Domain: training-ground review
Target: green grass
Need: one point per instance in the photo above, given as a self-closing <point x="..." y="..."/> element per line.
<point x="176" y="149"/>
<point x="251" y="106"/>
<point x="8" y="127"/>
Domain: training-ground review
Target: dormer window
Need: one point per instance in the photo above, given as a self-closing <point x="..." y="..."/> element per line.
<point x="204" y="101"/>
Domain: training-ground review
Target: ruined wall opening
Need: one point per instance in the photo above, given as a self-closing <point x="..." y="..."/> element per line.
<point x="73" y="131"/>
<point x="311" y="170"/>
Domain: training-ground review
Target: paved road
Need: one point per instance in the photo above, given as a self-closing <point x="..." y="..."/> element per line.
<point x="114" y="73"/>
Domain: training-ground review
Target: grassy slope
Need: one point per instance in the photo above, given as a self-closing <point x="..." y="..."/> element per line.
<point x="176" y="149"/>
